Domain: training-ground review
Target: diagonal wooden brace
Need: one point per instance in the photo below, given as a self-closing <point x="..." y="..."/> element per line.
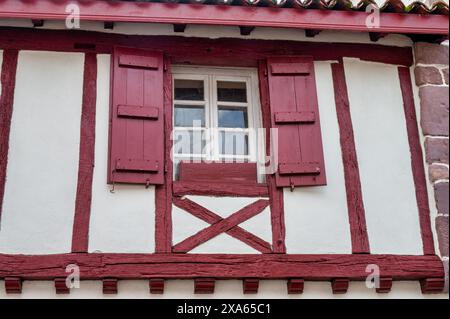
<point x="220" y="225"/>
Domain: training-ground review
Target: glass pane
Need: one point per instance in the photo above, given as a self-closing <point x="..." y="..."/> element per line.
<point x="233" y="143"/>
<point x="191" y="90"/>
<point x="232" y="91"/>
<point x="189" y="116"/>
<point x="233" y="117"/>
<point x="189" y="142"/>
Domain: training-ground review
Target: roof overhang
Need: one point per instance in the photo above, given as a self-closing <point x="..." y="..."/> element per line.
<point x="182" y="13"/>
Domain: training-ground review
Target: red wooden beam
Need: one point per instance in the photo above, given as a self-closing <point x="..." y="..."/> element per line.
<point x="275" y="193"/>
<point x="110" y="286"/>
<point x="8" y="83"/>
<point x="204" y="285"/>
<point x="211" y="218"/>
<point x="250" y="286"/>
<point x="385" y="285"/>
<point x="220" y="266"/>
<point x="222" y="226"/>
<point x="61" y="286"/>
<point x="156" y="286"/>
<point x="417" y="163"/>
<point x="80" y="235"/>
<point x="340" y="285"/>
<point x="13" y="285"/>
<point x="432" y="285"/>
<point x="220" y="189"/>
<point x="163" y="193"/>
<point x="202" y="51"/>
<point x="226" y="15"/>
<point x="295" y="286"/>
<point x="356" y="212"/>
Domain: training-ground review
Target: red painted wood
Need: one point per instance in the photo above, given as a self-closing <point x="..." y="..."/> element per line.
<point x="340" y="285"/>
<point x="220" y="227"/>
<point x="298" y="142"/>
<point x="110" y="286"/>
<point x="232" y="173"/>
<point x="385" y="285"/>
<point x="211" y="218"/>
<point x="290" y="69"/>
<point x="80" y="234"/>
<point x="295" y="286"/>
<point x="137" y="139"/>
<point x="299" y="169"/>
<point x="295" y="117"/>
<point x="432" y="285"/>
<point x="8" y="83"/>
<point x="276" y="194"/>
<point x="220" y="266"/>
<point x="139" y="61"/>
<point x="138" y="112"/>
<point x="417" y="163"/>
<point x="137" y="165"/>
<point x="202" y="51"/>
<point x="250" y="286"/>
<point x="163" y="193"/>
<point x="355" y="204"/>
<point x="220" y="189"/>
<point x="156" y="286"/>
<point x="226" y="15"/>
<point x="13" y="285"/>
<point x="204" y="285"/>
<point x="61" y="286"/>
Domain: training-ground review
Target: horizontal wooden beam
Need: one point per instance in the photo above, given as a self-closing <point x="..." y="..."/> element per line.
<point x="225" y="15"/>
<point x="220" y="189"/>
<point x="220" y="266"/>
<point x="202" y="51"/>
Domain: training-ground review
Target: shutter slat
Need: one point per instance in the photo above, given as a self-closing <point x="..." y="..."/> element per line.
<point x="137" y="165"/>
<point x="295" y="113"/>
<point x="145" y="62"/>
<point x="295" y="117"/>
<point x="138" y="112"/>
<point x="299" y="169"/>
<point x="290" y="68"/>
<point x="137" y="121"/>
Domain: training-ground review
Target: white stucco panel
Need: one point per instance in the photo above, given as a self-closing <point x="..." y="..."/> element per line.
<point x="317" y="217"/>
<point x="186" y="225"/>
<point x="42" y="171"/>
<point x="123" y="221"/>
<point x="384" y="158"/>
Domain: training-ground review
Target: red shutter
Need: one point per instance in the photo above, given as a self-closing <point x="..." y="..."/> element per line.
<point x="137" y="118"/>
<point x="295" y="112"/>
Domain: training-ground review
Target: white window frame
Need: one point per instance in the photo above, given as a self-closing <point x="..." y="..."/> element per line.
<point x="210" y="76"/>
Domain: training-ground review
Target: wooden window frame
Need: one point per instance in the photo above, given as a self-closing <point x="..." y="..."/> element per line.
<point x="163" y="264"/>
<point x="210" y="76"/>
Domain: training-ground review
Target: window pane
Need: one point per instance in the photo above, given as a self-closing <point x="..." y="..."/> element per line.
<point x="233" y="117"/>
<point x="232" y="91"/>
<point x="233" y="143"/>
<point x="191" y="90"/>
<point x="189" y="142"/>
<point x="189" y="116"/>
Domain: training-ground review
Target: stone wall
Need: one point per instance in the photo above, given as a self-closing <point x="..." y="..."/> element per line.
<point x="431" y="74"/>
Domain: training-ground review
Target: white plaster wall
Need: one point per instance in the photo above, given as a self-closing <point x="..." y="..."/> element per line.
<point x="317" y="217"/>
<point x="384" y="158"/>
<point x="225" y="289"/>
<point x="42" y="171"/>
<point x="123" y="221"/>
<point x="186" y="225"/>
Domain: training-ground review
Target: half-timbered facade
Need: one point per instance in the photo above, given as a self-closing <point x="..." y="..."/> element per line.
<point x="229" y="147"/>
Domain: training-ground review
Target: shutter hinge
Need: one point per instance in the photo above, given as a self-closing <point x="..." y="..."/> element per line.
<point x="266" y="72"/>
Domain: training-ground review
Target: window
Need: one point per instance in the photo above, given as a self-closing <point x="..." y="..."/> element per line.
<point x="216" y="114"/>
